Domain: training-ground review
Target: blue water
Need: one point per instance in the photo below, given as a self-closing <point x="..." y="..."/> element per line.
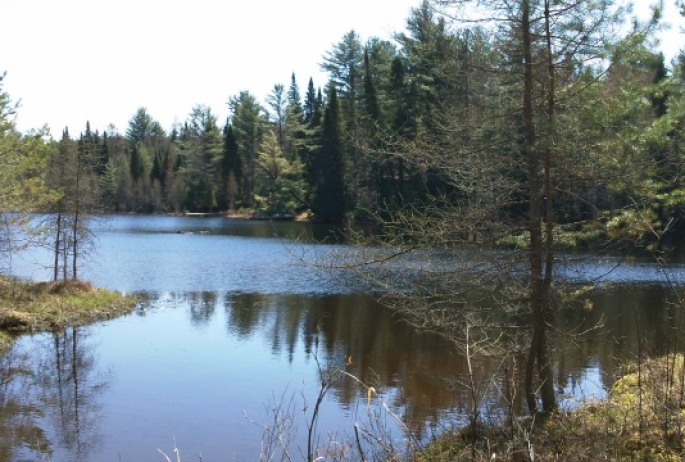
<point x="237" y="317"/>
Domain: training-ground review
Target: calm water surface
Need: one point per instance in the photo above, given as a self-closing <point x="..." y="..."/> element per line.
<point x="232" y="322"/>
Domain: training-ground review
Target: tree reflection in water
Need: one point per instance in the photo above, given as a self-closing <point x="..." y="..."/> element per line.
<point x="358" y="335"/>
<point x="52" y="394"/>
<point x="20" y="409"/>
<point x="227" y="347"/>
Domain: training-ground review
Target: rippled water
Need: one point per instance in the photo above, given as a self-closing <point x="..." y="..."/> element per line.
<point x="232" y="321"/>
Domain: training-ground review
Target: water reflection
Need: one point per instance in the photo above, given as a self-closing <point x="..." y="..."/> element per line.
<point x="50" y="402"/>
<point x="192" y="363"/>
<point x="188" y="225"/>
<point x="69" y="389"/>
<point x="20" y="408"/>
<point x="358" y="335"/>
<point x="633" y="320"/>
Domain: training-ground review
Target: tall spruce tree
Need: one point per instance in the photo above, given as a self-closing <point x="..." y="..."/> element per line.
<point x="231" y="170"/>
<point x="310" y="104"/>
<point x="330" y="190"/>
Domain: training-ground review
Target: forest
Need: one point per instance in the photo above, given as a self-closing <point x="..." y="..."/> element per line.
<point x="430" y="117"/>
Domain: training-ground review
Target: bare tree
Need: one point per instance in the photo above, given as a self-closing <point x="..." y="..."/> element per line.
<point x="499" y="146"/>
<point x="70" y="173"/>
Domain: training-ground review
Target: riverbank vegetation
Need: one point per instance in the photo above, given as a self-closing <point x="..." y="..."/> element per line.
<point x="641" y="419"/>
<point x="28" y="164"/>
<point x="48" y="306"/>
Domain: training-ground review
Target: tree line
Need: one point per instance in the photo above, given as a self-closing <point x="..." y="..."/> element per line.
<point x="351" y="149"/>
<point x="415" y="124"/>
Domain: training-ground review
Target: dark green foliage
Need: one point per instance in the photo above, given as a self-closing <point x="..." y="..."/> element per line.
<point x="329" y="196"/>
<point x="295" y="100"/>
<point x="371" y="103"/>
<point x="431" y="90"/>
<point x="203" y="150"/>
<point x="311" y="105"/>
<point x="660" y="97"/>
<point x="231" y="171"/>
<point x="344" y="64"/>
<point x="142" y="127"/>
<point x="249" y="121"/>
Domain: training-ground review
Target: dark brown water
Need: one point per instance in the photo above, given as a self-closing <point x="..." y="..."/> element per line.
<point x="231" y="324"/>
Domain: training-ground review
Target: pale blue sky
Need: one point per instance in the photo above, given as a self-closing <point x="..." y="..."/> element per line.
<point x="75" y="60"/>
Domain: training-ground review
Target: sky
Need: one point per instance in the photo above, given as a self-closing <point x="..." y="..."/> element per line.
<point x="75" y="60"/>
<point x="72" y="61"/>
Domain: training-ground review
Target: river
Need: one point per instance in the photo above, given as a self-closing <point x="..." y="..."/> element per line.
<point x="234" y="321"/>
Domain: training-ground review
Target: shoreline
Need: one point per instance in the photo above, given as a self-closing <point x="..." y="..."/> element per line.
<point x="29" y="306"/>
<point x="641" y="418"/>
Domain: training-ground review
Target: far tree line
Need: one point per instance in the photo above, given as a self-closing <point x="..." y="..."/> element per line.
<point x="345" y="150"/>
<point x="388" y="133"/>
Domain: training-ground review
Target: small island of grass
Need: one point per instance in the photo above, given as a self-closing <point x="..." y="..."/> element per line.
<point x="47" y="306"/>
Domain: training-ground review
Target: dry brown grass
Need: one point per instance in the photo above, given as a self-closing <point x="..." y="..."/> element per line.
<point x="38" y="306"/>
<point x="642" y="420"/>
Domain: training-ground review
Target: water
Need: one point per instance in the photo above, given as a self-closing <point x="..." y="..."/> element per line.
<point x="235" y="320"/>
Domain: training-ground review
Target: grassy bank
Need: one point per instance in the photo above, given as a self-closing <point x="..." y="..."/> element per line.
<point x="43" y="306"/>
<point x="642" y="419"/>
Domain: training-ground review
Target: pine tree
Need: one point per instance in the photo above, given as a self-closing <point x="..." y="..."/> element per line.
<point x="249" y="121"/>
<point x="377" y="186"/>
<point x="296" y="136"/>
<point x="278" y="103"/>
<point x="330" y="191"/>
<point x="310" y="103"/>
<point x="295" y="99"/>
<point x="203" y="150"/>
<point x="231" y="169"/>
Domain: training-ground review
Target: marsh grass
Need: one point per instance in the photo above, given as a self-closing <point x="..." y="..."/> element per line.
<point x="41" y="306"/>
<point x="642" y="419"/>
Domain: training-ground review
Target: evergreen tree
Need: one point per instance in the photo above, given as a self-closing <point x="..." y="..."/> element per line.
<point x="430" y="52"/>
<point x="310" y="102"/>
<point x="296" y="130"/>
<point x="330" y="191"/>
<point x="280" y="185"/>
<point x="249" y="121"/>
<point x="377" y="182"/>
<point x="231" y="170"/>
<point x="344" y="65"/>
<point x="142" y="127"/>
<point x="278" y="103"/>
<point x="203" y="149"/>
<point x="312" y="134"/>
<point x="295" y="99"/>
<point x="103" y="155"/>
<point x="145" y="139"/>
<point x="108" y="186"/>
